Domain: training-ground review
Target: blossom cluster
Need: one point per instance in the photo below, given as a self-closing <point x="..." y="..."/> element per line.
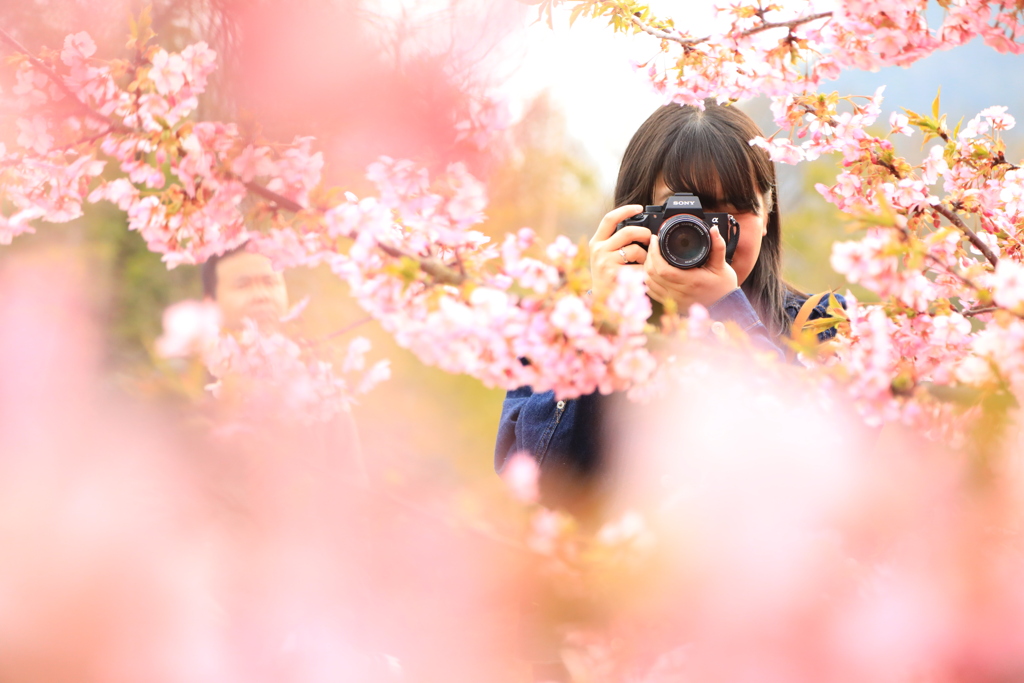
<point x="519" y="313"/>
<point x="411" y="255"/>
<point x="259" y="373"/>
<point x="784" y="48"/>
<point x="272" y="371"/>
<point x="527" y="322"/>
<point x="181" y="181"/>
<point x="941" y="246"/>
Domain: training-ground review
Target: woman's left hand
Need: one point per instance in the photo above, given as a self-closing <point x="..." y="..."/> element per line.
<point x="704" y="285"/>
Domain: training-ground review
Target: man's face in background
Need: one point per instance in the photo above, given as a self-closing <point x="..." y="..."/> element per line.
<point x="249" y="287"/>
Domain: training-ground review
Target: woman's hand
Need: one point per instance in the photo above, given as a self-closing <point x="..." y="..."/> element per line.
<point x="704" y="285"/>
<point x="610" y="250"/>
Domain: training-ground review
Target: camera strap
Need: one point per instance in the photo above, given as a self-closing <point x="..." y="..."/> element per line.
<point x="732" y="237"/>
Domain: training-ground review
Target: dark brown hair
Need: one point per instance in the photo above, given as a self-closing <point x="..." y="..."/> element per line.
<point x="708" y="152"/>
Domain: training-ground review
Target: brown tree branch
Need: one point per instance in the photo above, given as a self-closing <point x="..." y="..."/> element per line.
<point x="950" y="215"/>
<point x="953" y="218"/>
<point x="271" y="196"/>
<point x="791" y="24"/>
<point x="429" y="265"/>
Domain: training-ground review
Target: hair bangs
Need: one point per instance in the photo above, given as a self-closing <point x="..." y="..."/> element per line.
<point x="705" y="162"/>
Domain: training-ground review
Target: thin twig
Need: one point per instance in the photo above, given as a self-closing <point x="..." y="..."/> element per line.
<point x="87" y="140"/>
<point x="347" y="328"/>
<point x="970" y="312"/>
<point x="964" y="280"/>
<point x="792" y="24"/>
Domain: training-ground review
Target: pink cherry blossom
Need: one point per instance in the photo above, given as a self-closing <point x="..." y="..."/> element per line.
<point x="781" y="150"/>
<point x="900" y="124"/>
<point x="572" y="316"/>
<point x="12" y="226"/>
<point x="77" y="48"/>
<point x="168" y="72"/>
<point x="934" y="165"/>
<point x="1008" y="284"/>
<point x="35" y="134"/>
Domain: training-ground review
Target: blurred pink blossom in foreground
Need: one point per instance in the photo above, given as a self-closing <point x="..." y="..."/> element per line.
<point x="754" y="531"/>
<point x="190" y="328"/>
<point x="134" y="547"/>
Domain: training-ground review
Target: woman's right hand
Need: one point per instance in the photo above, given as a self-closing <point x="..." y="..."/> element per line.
<point x="610" y="250"/>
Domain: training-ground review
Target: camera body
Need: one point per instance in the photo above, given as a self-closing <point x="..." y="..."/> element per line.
<point x="684" y="230"/>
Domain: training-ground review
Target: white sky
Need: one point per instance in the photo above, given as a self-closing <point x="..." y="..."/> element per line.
<point x="588" y="71"/>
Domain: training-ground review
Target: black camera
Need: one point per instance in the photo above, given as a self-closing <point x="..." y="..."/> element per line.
<point x="684" y="230"/>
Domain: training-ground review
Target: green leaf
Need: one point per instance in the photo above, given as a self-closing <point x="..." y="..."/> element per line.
<point x="960" y="394"/>
<point x="935" y="104"/>
<point x="406" y="269"/>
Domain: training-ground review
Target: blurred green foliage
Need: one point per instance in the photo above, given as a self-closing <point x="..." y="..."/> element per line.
<point x="141" y="286"/>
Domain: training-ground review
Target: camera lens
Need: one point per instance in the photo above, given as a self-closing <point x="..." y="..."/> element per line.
<point x="684" y="241"/>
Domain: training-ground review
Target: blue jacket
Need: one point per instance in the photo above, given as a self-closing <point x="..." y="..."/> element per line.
<point x="565" y="436"/>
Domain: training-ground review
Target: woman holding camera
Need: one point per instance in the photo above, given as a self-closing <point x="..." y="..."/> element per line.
<point x="678" y="149"/>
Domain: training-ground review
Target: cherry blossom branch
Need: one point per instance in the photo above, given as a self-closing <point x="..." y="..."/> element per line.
<point x="967" y="282"/>
<point x="662" y="35"/>
<point x="687" y="42"/>
<point x="950" y="215"/>
<point x="961" y="278"/>
<point x="429" y="265"/>
<point x="59" y="82"/>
